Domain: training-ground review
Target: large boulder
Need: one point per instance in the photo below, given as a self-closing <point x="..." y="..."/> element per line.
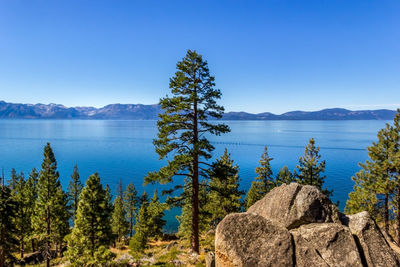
<point x="373" y="246"/>
<point x="294" y="205"/>
<point x="244" y="239"/>
<point x="297" y="225"/>
<point x="325" y="244"/>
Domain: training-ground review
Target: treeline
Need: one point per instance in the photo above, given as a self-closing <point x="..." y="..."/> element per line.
<point x="377" y="184"/>
<point x="37" y="215"/>
<point x="82" y="223"/>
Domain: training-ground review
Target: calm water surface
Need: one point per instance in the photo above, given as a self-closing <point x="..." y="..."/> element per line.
<point x="124" y="150"/>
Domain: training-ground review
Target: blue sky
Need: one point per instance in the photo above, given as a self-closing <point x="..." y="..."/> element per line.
<point x="266" y="55"/>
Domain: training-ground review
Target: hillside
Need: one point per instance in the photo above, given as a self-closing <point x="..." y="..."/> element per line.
<point x="149" y="112"/>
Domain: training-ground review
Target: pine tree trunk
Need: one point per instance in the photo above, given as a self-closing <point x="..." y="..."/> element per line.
<point x="33" y="245"/>
<point x="2" y="251"/>
<point x="387" y="213"/>
<point x="195" y="183"/>
<point x="22" y="249"/>
<point x="398" y="215"/>
<point x="48" y="239"/>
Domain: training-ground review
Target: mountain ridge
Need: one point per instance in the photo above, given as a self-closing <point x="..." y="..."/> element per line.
<point x="150" y="112"/>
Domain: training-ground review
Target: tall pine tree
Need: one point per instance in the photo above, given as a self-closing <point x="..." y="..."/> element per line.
<point x="225" y="195"/>
<point x="8" y="230"/>
<point x="74" y="190"/>
<point x="119" y="223"/>
<point x="89" y="240"/>
<point x="131" y="202"/>
<point x="311" y="168"/>
<point x="184" y="125"/>
<point x="264" y="181"/>
<point x="142" y="228"/>
<point x="49" y="207"/>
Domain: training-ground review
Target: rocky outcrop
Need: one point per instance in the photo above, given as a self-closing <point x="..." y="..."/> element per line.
<point x="325" y="244"/>
<point x="245" y="239"/>
<point x="293" y="205"/>
<point x="296" y="225"/>
<point x="375" y="248"/>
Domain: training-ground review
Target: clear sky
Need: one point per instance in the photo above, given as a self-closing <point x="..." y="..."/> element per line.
<point x="271" y="55"/>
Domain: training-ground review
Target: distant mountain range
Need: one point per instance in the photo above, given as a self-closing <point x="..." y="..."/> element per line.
<point x="149" y="112"/>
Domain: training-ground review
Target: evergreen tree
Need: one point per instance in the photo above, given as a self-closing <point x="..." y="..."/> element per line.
<point x="13" y="180"/>
<point x="49" y="204"/>
<point x="310" y="168"/>
<point x="92" y="234"/>
<point x="184" y="201"/>
<point x="156" y="210"/>
<point x="119" y="223"/>
<point x="284" y="176"/>
<point x="22" y="218"/>
<point x="394" y="167"/>
<point x="131" y="202"/>
<point x="225" y="195"/>
<point x="31" y="196"/>
<point x="74" y="190"/>
<point x="7" y="227"/>
<point x="183" y="127"/>
<point x="263" y="183"/>
<point x="142" y="228"/>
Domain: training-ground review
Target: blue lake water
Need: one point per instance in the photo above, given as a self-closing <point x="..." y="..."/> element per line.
<point x="124" y="150"/>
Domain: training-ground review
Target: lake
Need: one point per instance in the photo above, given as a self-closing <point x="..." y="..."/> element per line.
<point x="123" y="150"/>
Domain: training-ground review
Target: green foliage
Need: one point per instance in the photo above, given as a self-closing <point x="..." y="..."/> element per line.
<point x="92" y="234"/>
<point x="184" y="201"/>
<point x="30" y="192"/>
<point x="8" y="230"/>
<point x="284" y="177"/>
<point x="50" y="217"/>
<point x="131" y="202"/>
<point x="119" y="223"/>
<point x="225" y="195"/>
<point x="74" y="190"/>
<point x="263" y="183"/>
<point x="142" y="230"/>
<point x="184" y="124"/>
<point x="310" y="168"/>
<point x="156" y="210"/>
<point x="378" y="181"/>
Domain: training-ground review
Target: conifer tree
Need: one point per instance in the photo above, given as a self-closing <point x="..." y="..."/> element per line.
<point x="7" y="227"/>
<point x="225" y="195"/>
<point x="310" y="168"/>
<point x="74" y="190"/>
<point x="131" y="202"/>
<point x="31" y="196"/>
<point x="156" y="210"/>
<point x="394" y="167"/>
<point x="263" y="183"/>
<point x="142" y="229"/>
<point x="13" y="180"/>
<point x="119" y="222"/>
<point x="22" y="218"/>
<point x="184" y="201"/>
<point x="184" y="125"/>
<point x="284" y="176"/>
<point x="89" y="240"/>
<point x="49" y="206"/>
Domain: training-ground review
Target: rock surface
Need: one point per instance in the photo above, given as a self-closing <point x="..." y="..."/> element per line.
<point x="244" y="239"/>
<point x="375" y="248"/>
<point x="325" y="244"/>
<point x="297" y="225"/>
<point x="294" y="205"/>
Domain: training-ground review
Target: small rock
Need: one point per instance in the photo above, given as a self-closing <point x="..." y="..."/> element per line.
<point x="171" y="245"/>
<point x="210" y="259"/>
